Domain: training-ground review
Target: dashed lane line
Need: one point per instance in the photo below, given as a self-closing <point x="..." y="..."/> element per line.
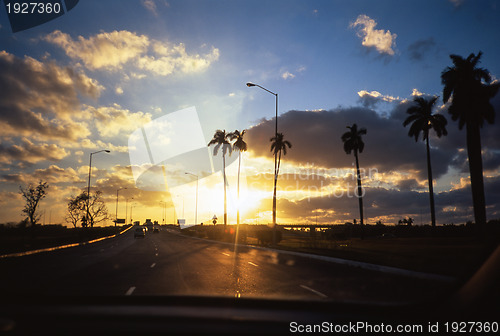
<point x="130" y="291"/>
<point x="153" y="265"/>
<point x="314" y="291"/>
<point x="251" y="263"/>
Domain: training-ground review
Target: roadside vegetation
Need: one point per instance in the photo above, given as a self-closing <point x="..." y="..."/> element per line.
<point x="21" y="238"/>
<point x="453" y="250"/>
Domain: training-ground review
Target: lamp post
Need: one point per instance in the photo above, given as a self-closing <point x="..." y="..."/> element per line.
<point x="249" y="84"/>
<point x="163" y="211"/>
<point x="88" y="185"/>
<point x="196" y="206"/>
<point x="131" y="209"/>
<point x="116" y="212"/>
<point x="126" y="209"/>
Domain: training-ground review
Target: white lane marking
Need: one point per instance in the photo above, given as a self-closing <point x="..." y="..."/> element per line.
<point x="363" y="265"/>
<point x="314" y="291"/>
<point x="226" y="254"/>
<point x="156" y="254"/>
<point x="130" y="291"/>
<point x="153" y="265"/>
<point x="102" y="250"/>
<point x="251" y="263"/>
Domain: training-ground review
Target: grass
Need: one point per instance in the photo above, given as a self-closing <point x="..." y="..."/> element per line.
<point x="453" y="256"/>
<point x="453" y="250"/>
<point x="13" y="240"/>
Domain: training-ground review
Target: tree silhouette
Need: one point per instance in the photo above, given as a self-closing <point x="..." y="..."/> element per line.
<point x="77" y="209"/>
<point x="278" y="146"/>
<point x="422" y="120"/>
<point x="33" y="195"/>
<point x="353" y="143"/>
<point x="220" y="139"/>
<point x="241" y="146"/>
<point x="471" y="89"/>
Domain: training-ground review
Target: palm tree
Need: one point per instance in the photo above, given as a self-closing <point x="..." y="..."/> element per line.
<point x="221" y="139"/>
<point x="471" y="89"/>
<point x="353" y="142"/>
<point x="278" y="146"/>
<point x="240" y="145"/>
<point x="422" y="120"/>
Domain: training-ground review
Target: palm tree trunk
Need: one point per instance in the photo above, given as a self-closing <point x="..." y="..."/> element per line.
<point x="224" y="173"/>
<point x="274" y="197"/>
<point x="476" y="172"/>
<point x="430" y="181"/>
<point x="274" y="192"/>
<point x="360" y="194"/>
<point x="238" y="210"/>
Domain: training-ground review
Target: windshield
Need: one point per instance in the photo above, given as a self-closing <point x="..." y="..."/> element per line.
<point x="305" y="150"/>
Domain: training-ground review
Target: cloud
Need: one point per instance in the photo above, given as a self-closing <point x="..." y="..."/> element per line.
<point x="53" y="174"/>
<point x="114" y="120"/>
<point x="113" y="50"/>
<point x="150" y="5"/>
<point x="371" y="99"/>
<point x="420" y="48"/>
<point x="287" y="75"/>
<point x="454" y="206"/>
<point x="315" y="137"/>
<point x="176" y="59"/>
<point x="317" y="176"/>
<point x="89" y="144"/>
<point x="29" y="152"/>
<point x="104" y="50"/>
<point x="42" y="99"/>
<point x="382" y="41"/>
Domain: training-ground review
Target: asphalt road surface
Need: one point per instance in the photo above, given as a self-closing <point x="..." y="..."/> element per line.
<point x="167" y="263"/>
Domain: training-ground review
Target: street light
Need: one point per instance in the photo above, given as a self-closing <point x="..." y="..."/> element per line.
<point x="116" y="215"/>
<point x="88" y="186"/>
<point x="126" y="209"/>
<point x="131" y="208"/>
<point x="249" y="84"/>
<point x="164" y="211"/>
<point x="196" y="211"/>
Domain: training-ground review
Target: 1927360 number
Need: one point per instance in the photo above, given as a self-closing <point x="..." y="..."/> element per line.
<point x="33" y="7"/>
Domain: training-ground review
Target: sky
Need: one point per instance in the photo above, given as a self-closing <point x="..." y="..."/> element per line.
<point x="152" y="80"/>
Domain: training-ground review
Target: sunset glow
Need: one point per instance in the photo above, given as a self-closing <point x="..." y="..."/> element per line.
<point x="100" y="78"/>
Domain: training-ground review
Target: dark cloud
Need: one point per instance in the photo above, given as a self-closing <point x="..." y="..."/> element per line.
<point x="453" y="206"/>
<point x="409" y="184"/>
<point x="41" y="98"/>
<point x="315" y="137"/>
<point x="27" y="151"/>
<point x="53" y="174"/>
<point x="418" y="49"/>
<point x="316" y="140"/>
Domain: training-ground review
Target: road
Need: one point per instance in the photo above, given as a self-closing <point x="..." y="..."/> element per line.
<point x="167" y="263"/>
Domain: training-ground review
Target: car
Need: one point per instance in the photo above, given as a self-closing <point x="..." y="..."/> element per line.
<point x="156" y="230"/>
<point x="139" y="233"/>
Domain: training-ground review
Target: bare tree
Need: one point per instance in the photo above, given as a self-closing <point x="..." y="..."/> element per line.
<point x="98" y="212"/>
<point x="33" y="195"/>
<point x="77" y="209"/>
